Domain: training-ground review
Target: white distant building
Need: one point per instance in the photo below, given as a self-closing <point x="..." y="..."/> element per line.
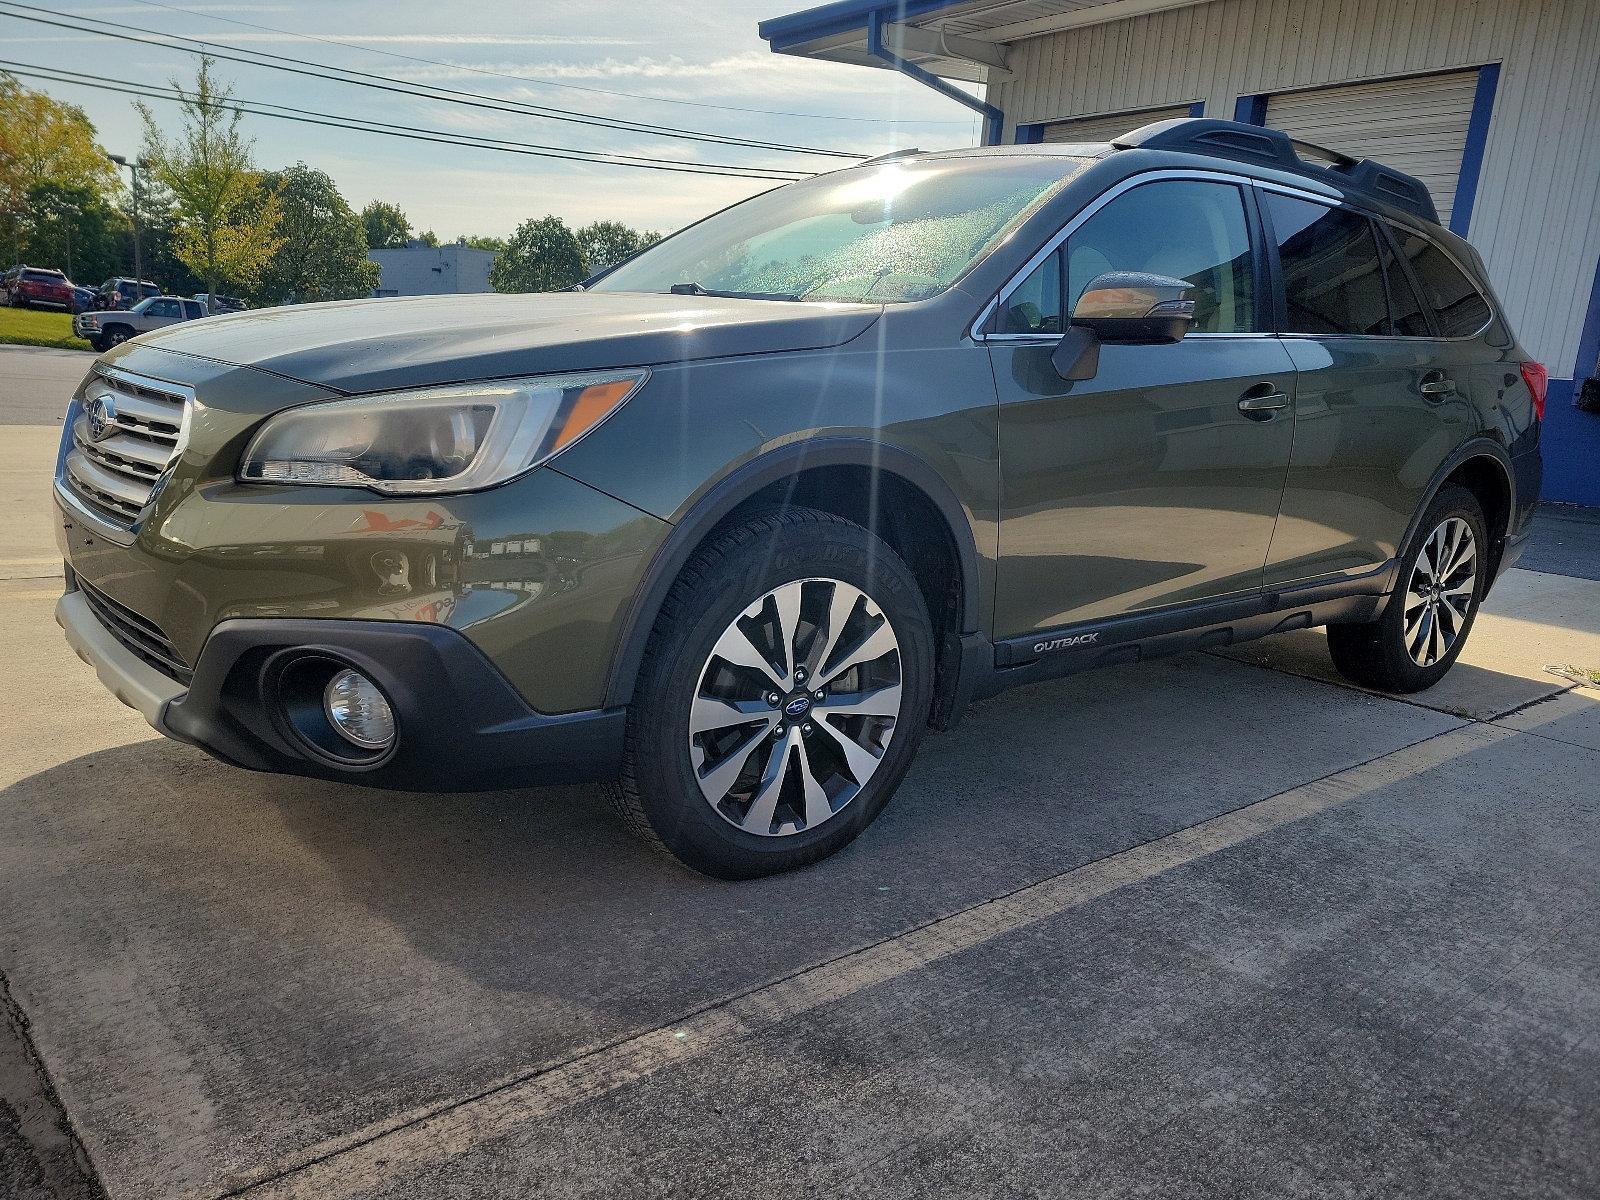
<point x="419" y="270"/>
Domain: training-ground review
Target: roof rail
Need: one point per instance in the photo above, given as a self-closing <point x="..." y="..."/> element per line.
<point x="889" y="157"/>
<point x="1273" y="148"/>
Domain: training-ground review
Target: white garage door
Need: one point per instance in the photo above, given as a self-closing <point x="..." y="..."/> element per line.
<point x="1417" y="125"/>
<point x="1103" y="129"/>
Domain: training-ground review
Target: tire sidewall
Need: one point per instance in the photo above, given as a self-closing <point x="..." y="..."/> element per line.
<point x="669" y="791"/>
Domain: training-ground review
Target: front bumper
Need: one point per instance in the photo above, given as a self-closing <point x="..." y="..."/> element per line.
<point x="461" y="725"/>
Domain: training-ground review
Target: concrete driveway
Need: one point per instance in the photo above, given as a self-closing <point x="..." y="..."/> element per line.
<point x="1212" y="926"/>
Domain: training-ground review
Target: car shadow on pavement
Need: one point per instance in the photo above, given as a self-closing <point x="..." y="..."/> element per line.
<point x="306" y="957"/>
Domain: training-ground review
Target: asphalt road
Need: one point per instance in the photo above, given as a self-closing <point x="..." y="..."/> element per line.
<point x="1211" y="926"/>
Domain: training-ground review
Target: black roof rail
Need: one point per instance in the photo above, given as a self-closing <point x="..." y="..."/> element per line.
<point x="1273" y="148"/>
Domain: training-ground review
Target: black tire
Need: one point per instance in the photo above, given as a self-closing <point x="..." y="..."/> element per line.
<point x="115" y="335"/>
<point x="1375" y="654"/>
<point x="99" y="343"/>
<point x="658" y="794"/>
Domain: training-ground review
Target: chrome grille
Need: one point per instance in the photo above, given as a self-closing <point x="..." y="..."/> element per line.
<point x="143" y="637"/>
<point x="117" y="473"/>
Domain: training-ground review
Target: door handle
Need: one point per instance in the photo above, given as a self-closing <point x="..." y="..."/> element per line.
<point x="1262" y="401"/>
<point x="1438" y="387"/>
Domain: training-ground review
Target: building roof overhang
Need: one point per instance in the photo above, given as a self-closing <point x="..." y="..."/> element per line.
<point x="953" y="39"/>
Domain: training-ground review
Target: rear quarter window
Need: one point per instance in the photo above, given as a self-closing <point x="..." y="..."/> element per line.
<point x="1458" y="305"/>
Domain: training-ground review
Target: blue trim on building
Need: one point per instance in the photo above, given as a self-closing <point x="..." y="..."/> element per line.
<point x="1197" y="109"/>
<point x="1587" y="365"/>
<point x="993" y="118"/>
<point x="1252" y="110"/>
<point x="1472" y="155"/>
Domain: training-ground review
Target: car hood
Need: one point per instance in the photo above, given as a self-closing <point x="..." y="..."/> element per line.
<point x="373" y="345"/>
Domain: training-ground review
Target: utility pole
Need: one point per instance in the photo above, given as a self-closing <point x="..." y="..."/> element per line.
<point x="138" y="257"/>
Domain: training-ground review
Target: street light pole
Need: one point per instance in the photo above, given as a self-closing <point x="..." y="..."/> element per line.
<point x="138" y="257"/>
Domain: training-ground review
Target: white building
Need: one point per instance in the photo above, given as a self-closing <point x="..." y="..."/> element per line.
<point x="420" y="270"/>
<point x="1494" y="103"/>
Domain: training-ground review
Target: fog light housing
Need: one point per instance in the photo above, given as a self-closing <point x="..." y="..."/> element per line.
<point x="358" y="711"/>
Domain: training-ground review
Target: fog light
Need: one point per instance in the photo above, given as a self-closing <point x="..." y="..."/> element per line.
<point x="357" y="709"/>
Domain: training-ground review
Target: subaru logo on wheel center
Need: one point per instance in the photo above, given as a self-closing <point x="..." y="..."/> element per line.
<point x="798" y="707"/>
<point x="102" y="418"/>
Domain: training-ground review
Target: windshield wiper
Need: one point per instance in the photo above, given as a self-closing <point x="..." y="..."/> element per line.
<point x="696" y="289"/>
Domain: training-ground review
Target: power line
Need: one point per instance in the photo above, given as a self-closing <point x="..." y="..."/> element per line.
<point x="295" y="66"/>
<point x="408" y="132"/>
<point x="555" y="83"/>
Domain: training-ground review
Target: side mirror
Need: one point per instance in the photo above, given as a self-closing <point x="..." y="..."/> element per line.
<point x="1136" y="308"/>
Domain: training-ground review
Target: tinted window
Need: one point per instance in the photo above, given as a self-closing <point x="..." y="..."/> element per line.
<point x="163" y="308"/>
<point x="1405" y="309"/>
<point x="1035" y="307"/>
<point x="1186" y="229"/>
<point x="1459" y="306"/>
<point x="1332" y="276"/>
<point x="192" y="311"/>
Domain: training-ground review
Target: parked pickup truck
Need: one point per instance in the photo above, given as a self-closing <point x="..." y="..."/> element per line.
<point x="103" y="330"/>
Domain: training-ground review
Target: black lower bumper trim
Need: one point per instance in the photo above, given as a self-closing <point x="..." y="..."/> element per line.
<point x="461" y="725"/>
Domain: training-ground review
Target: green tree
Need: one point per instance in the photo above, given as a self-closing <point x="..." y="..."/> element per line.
<point x="43" y="141"/>
<point x="606" y="243"/>
<point x="386" y="227"/>
<point x="77" y="229"/>
<point x="497" y="244"/>
<point x="542" y="256"/>
<point x="322" y="250"/>
<point x="429" y="238"/>
<point x="226" y="222"/>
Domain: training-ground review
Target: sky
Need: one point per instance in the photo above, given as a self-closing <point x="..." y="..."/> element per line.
<point x="695" y="66"/>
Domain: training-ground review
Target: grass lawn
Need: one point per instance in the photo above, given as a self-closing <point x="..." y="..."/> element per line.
<point x="38" y="327"/>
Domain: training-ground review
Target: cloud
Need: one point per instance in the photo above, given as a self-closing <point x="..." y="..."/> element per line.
<point x="429" y="39"/>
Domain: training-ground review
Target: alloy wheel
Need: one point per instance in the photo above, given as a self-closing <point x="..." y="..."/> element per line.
<point x="795" y="707"/>
<point x="1441" y="592"/>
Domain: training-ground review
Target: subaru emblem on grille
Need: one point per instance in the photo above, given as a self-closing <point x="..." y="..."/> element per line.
<point x="102" y="418"/>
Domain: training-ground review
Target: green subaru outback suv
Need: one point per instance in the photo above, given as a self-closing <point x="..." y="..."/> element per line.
<point x="731" y="525"/>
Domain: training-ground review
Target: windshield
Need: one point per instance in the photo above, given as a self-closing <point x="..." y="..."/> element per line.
<point x="888" y="234"/>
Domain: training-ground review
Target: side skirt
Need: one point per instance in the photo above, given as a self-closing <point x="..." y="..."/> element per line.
<point x="1069" y="649"/>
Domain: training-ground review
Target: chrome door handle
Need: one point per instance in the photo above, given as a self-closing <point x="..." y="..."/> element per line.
<point x="1438" y="387"/>
<point x="1263" y="402"/>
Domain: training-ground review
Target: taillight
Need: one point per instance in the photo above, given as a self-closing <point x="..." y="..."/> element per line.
<point x="1538" y="381"/>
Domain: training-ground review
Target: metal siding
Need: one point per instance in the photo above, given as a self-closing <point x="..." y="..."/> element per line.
<point x="1417" y="125"/>
<point x="1104" y="128"/>
<point x="1536" y="218"/>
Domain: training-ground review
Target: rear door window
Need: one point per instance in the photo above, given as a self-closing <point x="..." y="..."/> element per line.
<point x="1405" y="307"/>
<point x="1456" y="302"/>
<point x="1332" y="275"/>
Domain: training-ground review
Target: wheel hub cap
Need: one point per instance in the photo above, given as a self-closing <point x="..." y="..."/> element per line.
<point x="795" y="707"/>
<point x="1441" y="592"/>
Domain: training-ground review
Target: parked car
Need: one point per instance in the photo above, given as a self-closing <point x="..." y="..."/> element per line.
<point x="731" y="527"/>
<point x="103" y="330"/>
<point x="36" y="287"/>
<point x="123" y="292"/>
<point x="84" y="299"/>
<point x="216" y="305"/>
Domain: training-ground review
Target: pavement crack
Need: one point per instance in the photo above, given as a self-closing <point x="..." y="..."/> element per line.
<point x="37" y="1135"/>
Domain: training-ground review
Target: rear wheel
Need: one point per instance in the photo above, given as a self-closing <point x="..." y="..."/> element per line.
<point x="1443" y="577"/>
<point x="116" y="335"/>
<point x="783" y="695"/>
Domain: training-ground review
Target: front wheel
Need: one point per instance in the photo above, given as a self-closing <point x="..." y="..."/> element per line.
<point x="784" y="692"/>
<point x="1443" y="577"/>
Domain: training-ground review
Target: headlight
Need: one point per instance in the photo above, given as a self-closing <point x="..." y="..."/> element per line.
<point x="445" y="439"/>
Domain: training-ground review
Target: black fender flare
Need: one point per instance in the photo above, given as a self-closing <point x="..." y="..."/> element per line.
<point x="745" y="481"/>
<point x="1475" y="447"/>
